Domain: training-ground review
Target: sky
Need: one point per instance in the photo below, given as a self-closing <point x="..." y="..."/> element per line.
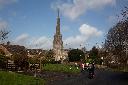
<point x="84" y="23"/>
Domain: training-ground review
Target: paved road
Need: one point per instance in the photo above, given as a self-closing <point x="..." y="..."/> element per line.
<point x="102" y="77"/>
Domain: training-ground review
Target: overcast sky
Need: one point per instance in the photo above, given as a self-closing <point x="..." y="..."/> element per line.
<point x="83" y="22"/>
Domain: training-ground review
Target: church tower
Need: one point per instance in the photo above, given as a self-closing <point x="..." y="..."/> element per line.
<point x="57" y="42"/>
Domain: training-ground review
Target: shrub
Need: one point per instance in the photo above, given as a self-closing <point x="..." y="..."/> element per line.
<point x="75" y="55"/>
<point x="3" y="61"/>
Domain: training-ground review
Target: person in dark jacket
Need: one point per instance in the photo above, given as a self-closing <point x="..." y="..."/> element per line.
<point x="91" y="70"/>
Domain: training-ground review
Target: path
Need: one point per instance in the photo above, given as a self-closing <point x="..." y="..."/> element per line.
<point x="102" y="78"/>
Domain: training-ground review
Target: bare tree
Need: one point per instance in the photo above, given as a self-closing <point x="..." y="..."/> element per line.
<point x="116" y="42"/>
<point x="3" y="34"/>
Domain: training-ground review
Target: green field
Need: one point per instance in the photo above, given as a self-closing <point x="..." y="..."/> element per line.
<point x="61" y="68"/>
<point x="11" y="78"/>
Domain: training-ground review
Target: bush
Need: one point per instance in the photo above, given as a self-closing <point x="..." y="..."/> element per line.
<point x="21" y="61"/>
<point x="75" y="55"/>
<point x="3" y="61"/>
<point x="52" y="61"/>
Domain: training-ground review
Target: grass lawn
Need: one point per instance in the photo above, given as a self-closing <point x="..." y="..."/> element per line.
<point x="61" y="68"/>
<point x="11" y="78"/>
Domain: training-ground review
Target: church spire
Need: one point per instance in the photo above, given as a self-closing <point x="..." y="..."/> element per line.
<point x="58" y="23"/>
<point x="58" y="12"/>
<point x="57" y="42"/>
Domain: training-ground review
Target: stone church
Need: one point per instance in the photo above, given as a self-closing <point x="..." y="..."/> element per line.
<point x="58" y="50"/>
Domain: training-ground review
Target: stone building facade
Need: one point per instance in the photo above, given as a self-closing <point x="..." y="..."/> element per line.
<point x="57" y="42"/>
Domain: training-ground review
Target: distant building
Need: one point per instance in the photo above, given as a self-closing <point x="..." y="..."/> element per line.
<point x="9" y="49"/>
<point x="36" y="52"/>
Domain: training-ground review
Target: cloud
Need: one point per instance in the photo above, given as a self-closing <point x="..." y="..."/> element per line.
<point x="33" y="42"/>
<point x="3" y="25"/>
<point x="75" y="8"/>
<point x="4" y="3"/>
<point x="74" y="41"/>
<point x="41" y="42"/>
<point x="22" y="39"/>
<point x="87" y="32"/>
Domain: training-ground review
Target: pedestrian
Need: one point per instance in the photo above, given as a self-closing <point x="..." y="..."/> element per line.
<point x="83" y="66"/>
<point x="91" y="70"/>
